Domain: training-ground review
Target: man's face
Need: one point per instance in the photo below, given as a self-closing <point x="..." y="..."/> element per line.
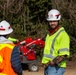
<point x="53" y="24"/>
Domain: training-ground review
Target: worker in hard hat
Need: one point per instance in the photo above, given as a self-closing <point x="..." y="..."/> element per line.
<point x="6" y="49"/>
<point x="57" y="44"/>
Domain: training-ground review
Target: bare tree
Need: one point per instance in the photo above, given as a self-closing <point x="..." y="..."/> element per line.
<point x="67" y="7"/>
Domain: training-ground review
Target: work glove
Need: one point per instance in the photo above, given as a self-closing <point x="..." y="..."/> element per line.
<point x="49" y="63"/>
<point x="59" y="59"/>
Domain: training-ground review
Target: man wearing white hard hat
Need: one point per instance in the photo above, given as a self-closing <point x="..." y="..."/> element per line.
<point x="5" y="29"/>
<point x="7" y="52"/>
<point x="57" y="43"/>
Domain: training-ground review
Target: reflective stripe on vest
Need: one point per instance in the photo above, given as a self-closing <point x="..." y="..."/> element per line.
<point x="52" y="47"/>
<point x="1" y="47"/>
<point x="2" y="74"/>
<point x="63" y="49"/>
<point x="7" y="45"/>
<point x="1" y="59"/>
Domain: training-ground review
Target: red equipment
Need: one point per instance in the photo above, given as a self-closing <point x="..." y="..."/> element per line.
<point x="28" y="51"/>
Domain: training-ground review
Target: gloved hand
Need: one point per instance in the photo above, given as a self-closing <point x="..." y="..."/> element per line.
<point x="58" y="59"/>
<point x="17" y="40"/>
<point x="49" y="63"/>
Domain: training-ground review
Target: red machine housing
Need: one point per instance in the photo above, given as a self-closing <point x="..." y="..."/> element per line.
<point x="28" y="47"/>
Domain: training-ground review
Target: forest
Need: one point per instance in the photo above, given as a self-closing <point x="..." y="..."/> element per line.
<point x="28" y="17"/>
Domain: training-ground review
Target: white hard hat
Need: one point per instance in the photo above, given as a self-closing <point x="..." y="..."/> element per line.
<point x="53" y="15"/>
<point x="5" y="28"/>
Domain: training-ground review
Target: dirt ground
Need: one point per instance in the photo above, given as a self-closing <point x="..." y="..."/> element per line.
<point x="71" y="69"/>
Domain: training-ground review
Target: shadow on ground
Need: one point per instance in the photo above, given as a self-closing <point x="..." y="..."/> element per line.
<point x="25" y="66"/>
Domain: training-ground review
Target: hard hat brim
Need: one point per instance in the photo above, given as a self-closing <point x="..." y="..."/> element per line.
<point x="6" y="32"/>
<point x="52" y="19"/>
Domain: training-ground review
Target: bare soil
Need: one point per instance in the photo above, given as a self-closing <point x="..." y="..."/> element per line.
<point x="71" y="69"/>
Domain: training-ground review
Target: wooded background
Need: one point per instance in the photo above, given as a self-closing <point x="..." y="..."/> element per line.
<point x="28" y="17"/>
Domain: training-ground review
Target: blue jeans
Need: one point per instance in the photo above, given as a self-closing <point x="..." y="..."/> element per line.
<point x="54" y="70"/>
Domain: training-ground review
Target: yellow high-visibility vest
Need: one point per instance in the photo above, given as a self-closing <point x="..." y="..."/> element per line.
<point x="56" y="45"/>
